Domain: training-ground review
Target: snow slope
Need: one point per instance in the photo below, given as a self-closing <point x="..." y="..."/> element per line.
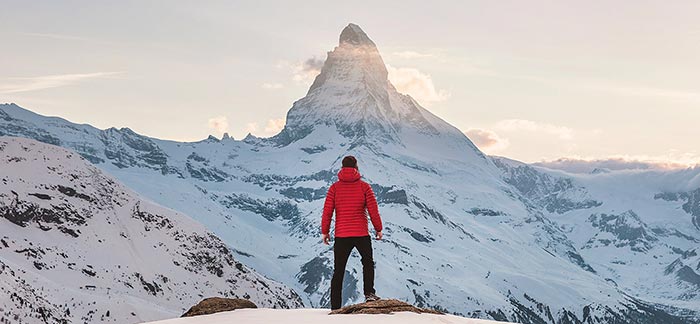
<point x="77" y="246"/>
<point x="474" y="235"/>
<point x="648" y="220"/>
<point x="303" y="316"/>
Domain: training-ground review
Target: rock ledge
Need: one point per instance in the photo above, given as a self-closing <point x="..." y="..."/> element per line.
<point x="217" y="304"/>
<point x="382" y="306"/>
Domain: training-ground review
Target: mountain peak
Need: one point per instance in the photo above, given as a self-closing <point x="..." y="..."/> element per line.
<point x="354" y="63"/>
<point x="353" y="94"/>
<point x="354" y="35"/>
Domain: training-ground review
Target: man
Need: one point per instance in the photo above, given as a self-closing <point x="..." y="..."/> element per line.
<point x="351" y="197"/>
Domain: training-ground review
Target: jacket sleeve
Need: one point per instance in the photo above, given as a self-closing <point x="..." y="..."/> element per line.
<point x="372" y="208"/>
<point x="328" y="208"/>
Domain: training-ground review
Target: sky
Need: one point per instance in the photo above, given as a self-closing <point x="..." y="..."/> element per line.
<point x="529" y="80"/>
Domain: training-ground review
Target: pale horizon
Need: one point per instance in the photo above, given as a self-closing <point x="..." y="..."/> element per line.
<point x="532" y="82"/>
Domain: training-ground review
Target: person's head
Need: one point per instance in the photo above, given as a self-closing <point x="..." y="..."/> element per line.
<point x="349" y="162"/>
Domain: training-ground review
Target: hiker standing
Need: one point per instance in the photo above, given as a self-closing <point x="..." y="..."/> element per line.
<point x="352" y="199"/>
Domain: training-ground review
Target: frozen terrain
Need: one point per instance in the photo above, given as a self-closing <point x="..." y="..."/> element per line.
<point x="470" y="234"/>
<point x="77" y="246"/>
<point x="265" y="316"/>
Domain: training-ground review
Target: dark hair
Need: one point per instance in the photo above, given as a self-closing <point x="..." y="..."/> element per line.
<point x="350" y="162"/>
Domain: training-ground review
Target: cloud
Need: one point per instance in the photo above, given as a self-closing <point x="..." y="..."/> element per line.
<point x="251" y="127"/>
<point x="306" y="72"/>
<point x="21" y="84"/>
<point x="417" y="84"/>
<point x="669" y="161"/>
<point x="487" y="141"/>
<point x="512" y="125"/>
<point x="407" y="80"/>
<point x="272" y="86"/>
<point x="57" y="36"/>
<point x="220" y="124"/>
<point x="412" y="55"/>
<point x="274" y="126"/>
<point x="66" y="37"/>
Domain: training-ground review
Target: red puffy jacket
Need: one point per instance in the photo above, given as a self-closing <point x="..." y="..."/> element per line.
<point x="350" y="197"/>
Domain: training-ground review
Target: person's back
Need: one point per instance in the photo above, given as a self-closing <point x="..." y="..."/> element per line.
<point x="351" y="199"/>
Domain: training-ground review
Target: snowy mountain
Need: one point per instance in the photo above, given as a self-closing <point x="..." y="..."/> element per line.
<point x="354" y="98"/>
<point x="77" y="246"/>
<point x="470" y="234"/>
<point x="634" y="219"/>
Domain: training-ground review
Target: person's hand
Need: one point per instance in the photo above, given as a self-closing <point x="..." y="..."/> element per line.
<point x="379" y="236"/>
<point x="326" y="239"/>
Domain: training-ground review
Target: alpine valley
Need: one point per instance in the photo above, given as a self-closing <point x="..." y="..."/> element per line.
<point x="470" y="234"/>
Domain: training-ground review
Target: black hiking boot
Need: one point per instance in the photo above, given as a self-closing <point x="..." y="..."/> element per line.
<point x="371" y="298"/>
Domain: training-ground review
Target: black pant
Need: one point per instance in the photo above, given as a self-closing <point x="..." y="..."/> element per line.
<point x="342" y="247"/>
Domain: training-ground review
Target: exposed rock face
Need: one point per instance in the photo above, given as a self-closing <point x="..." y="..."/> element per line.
<point x="383" y="306"/>
<point x="217" y="304"/>
<point x="553" y="194"/>
<point x="624" y="229"/>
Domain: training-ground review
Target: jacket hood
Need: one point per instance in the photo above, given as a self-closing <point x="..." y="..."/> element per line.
<point x="348" y="174"/>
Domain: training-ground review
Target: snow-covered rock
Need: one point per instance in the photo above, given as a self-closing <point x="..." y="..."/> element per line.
<point x="465" y="233"/>
<point x="77" y="246"/>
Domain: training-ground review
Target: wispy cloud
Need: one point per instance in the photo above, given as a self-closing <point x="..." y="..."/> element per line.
<point x="417" y="84"/>
<point x="305" y="72"/>
<point x="73" y="38"/>
<point x="487" y="140"/>
<point x="57" y="36"/>
<point x="411" y="81"/>
<point x="272" y="127"/>
<point x="219" y="123"/>
<point x="511" y="125"/>
<point x="251" y="127"/>
<point x="24" y="84"/>
<point x="578" y="164"/>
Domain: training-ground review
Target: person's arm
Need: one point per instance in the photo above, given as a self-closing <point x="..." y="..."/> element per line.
<point x="373" y="210"/>
<point x="328" y="207"/>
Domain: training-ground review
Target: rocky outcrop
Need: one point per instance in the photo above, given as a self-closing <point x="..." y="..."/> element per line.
<point x="217" y="304"/>
<point x="383" y="306"/>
